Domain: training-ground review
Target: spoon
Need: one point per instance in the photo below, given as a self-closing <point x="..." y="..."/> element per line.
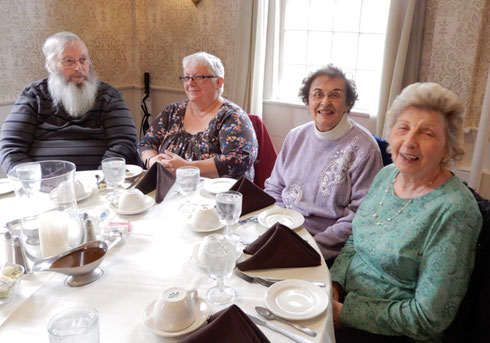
<point x="267" y="314"/>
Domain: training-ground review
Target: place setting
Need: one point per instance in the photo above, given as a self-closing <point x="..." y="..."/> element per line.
<point x="176" y="312"/>
<point x="6" y="186"/>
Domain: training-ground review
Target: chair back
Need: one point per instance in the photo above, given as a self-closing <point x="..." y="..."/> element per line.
<point x="266" y="157"/>
<point x="472" y="322"/>
<point x="383" y="146"/>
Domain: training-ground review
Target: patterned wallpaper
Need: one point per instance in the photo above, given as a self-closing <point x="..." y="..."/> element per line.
<point x="129" y="37"/>
<point x="172" y="29"/>
<point x="456" y="50"/>
<point x="107" y="28"/>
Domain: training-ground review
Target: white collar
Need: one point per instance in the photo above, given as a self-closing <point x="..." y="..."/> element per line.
<point x="337" y="132"/>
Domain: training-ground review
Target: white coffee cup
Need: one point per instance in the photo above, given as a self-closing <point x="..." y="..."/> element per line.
<point x="79" y="189"/>
<point x="175" y="309"/>
<point x="130" y="200"/>
<point x="205" y="218"/>
<point x="63" y="193"/>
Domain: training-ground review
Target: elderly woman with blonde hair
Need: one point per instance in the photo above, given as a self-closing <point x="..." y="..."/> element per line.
<point x="404" y="271"/>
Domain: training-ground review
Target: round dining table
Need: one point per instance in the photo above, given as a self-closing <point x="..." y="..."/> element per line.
<point x="157" y="254"/>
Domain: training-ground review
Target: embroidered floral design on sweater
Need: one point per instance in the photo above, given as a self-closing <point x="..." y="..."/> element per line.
<point x="292" y="195"/>
<point x="336" y="170"/>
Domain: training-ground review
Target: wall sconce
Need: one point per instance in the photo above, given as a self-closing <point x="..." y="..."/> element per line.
<point x="196" y="2"/>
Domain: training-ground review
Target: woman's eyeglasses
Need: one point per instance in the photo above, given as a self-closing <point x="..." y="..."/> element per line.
<point x="333" y="95"/>
<point x="196" y="78"/>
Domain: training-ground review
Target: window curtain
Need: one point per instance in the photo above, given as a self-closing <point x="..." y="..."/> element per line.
<point x="248" y="70"/>
<point x="403" y="48"/>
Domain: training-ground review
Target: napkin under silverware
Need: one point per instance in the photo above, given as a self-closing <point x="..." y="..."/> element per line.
<point x="279" y="247"/>
<point x="159" y="178"/>
<point x="254" y="198"/>
<point x="228" y="325"/>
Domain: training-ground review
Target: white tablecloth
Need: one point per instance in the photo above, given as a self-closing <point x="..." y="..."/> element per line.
<point x="155" y="256"/>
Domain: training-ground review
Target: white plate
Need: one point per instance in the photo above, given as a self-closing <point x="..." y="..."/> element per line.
<point x="85" y="195"/>
<point x="149" y="203"/>
<point x="290" y="218"/>
<point x="195" y="255"/>
<point x="202" y="315"/>
<point x="215" y="186"/>
<point x="132" y="170"/>
<point x="54" y="196"/>
<point x="195" y="229"/>
<point x="296" y="299"/>
<point x="5" y="186"/>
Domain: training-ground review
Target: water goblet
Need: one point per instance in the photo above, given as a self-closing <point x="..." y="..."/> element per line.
<point x="219" y="257"/>
<point x="187" y="179"/>
<point x="114" y="169"/>
<point x="229" y="208"/>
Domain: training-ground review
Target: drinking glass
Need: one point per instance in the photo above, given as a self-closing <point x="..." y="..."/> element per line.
<point x="187" y="179"/>
<point x="114" y="169"/>
<point x="74" y="325"/>
<point x="50" y="222"/>
<point x="219" y="256"/>
<point x="229" y="208"/>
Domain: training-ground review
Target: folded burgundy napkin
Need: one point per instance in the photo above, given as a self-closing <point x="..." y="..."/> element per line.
<point x="228" y="325"/>
<point x="159" y="178"/>
<point x="254" y="198"/>
<point x="279" y="247"/>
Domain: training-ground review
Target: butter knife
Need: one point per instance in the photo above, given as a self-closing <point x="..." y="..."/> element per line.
<point x="290" y="335"/>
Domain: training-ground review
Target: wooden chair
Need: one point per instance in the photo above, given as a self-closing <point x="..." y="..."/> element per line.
<point x="267" y="154"/>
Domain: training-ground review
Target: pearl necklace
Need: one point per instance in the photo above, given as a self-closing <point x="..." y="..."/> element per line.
<point x="380" y="204"/>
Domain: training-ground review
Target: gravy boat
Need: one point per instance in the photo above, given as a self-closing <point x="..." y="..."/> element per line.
<point x="80" y="263"/>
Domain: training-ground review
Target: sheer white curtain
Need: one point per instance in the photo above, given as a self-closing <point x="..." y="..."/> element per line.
<point x="403" y="49"/>
<point x="481" y="144"/>
<point x="247" y="81"/>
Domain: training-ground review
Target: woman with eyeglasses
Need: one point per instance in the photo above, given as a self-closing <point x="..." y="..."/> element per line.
<point x="326" y="166"/>
<point x="206" y="131"/>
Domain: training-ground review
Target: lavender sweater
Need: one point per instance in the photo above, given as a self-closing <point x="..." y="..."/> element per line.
<point x="325" y="180"/>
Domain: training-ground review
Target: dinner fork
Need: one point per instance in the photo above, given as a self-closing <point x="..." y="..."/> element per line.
<point x="253" y="279"/>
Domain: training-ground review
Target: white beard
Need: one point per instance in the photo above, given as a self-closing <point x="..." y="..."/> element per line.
<point x="76" y="99"/>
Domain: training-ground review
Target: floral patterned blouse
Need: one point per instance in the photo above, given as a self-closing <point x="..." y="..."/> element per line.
<point x="229" y="139"/>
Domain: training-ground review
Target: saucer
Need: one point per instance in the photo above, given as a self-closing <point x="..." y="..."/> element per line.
<point x="195" y="256"/>
<point x="5" y="186"/>
<point x="214" y="228"/>
<point x="132" y="171"/>
<point x="296" y="299"/>
<point x="85" y="195"/>
<point x="54" y="196"/>
<point x="215" y="186"/>
<point x="149" y="202"/>
<point x="287" y="217"/>
<point x="202" y="315"/>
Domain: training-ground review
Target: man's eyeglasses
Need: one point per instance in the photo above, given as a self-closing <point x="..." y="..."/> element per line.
<point x="196" y="78"/>
<point x="333" y="95"/>
<point x="70" y="63"/>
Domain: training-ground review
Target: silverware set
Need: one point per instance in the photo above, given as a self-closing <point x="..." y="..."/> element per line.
<point x="290" y="335"/>
<point x="266" y="281"/>
<point x="267" y="314"/>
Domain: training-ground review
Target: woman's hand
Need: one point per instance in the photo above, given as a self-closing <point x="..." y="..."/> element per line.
<point x="172" y="161"/>
<point x="337" y="307"/>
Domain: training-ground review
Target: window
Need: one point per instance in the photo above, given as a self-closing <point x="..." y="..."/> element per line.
<point x="348" y="33"/>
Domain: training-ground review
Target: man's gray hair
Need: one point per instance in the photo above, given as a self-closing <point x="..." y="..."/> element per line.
<point x="55" y="44"/>
<point x="211" y="62"/>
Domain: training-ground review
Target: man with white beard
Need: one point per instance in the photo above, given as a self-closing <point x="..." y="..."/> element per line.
<point x="70" y="115"/>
